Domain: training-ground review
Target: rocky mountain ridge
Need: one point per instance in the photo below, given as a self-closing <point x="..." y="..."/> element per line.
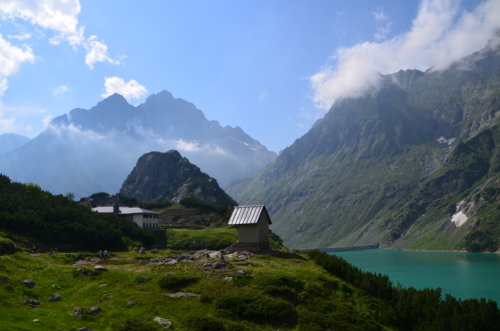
<point x="343" y="182"/>
<point x="89" y="150"/>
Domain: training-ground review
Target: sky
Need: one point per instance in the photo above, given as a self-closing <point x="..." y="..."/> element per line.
<point x="270" y="67"/>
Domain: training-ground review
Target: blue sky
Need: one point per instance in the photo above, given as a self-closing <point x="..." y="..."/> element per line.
<point x="270" y="67"/>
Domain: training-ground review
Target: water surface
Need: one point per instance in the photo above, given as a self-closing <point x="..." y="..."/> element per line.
<point x="463" y="275"/>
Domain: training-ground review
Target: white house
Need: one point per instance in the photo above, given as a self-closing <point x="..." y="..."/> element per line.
<point x="146" y="219"/>
<point x="252" y="223"/>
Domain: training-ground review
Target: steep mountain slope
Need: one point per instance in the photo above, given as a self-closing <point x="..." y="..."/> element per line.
<point x="11" y="141"/>
<point x="341" y="183"/>
<point x="171" y="177"/>
<point x="93" y="150"/>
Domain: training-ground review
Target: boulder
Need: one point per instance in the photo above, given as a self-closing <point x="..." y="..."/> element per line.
<point x="77" y="311"/>
<point x="215" y="265"/>
<point x="165" y="323"/>
<point x="29" y="283"/>
<point x="183" y="295"/>
<point x="32" y="303"/>
<point x="95" y="310"/>
<point x="55" y="297"/>
<point x="100" y="268"/>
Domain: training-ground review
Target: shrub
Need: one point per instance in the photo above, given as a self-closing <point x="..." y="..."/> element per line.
<point x="205" y="323"/>
<point x="242" y="280"/>
<point x="176" y="282"/>
<point x="258" y="309"/>
<point x="282" y="281"/>
<point x="136" y="325"/>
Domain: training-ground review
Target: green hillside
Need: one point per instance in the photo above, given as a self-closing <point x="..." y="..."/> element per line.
<point x="196" y="292"/>
<point x="56" y="222"/>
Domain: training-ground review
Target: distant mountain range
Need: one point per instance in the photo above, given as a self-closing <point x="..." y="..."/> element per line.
<point x="414" y="163"/>
<point x="11" y="141"/>
<point x="88" y="151"/>
<point x="170" y="177"/>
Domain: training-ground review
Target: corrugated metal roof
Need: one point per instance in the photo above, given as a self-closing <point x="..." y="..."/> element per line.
<point x="247" y="215"/>
<point x="123" y="210"/>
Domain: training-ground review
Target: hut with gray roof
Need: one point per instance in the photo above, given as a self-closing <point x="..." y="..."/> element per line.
<point x="252" y="223"/>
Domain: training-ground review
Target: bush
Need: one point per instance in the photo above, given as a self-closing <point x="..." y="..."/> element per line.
<point x="176" y="282"/>
<point x="258" y="309"/>
<point x="242" y="280"/>
<point x="204" y="323"/>
<point x="136" y="325"/>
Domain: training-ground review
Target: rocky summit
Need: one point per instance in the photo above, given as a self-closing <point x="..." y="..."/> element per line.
<point x="171" y="177"/>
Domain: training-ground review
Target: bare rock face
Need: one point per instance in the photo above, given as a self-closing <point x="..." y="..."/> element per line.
<point x="171" y="177"/>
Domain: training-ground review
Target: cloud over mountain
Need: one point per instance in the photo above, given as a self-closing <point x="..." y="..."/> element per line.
<point x="441" y="33"/>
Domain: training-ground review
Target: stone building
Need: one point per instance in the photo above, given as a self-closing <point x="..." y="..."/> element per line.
<point x="252" y="223"/>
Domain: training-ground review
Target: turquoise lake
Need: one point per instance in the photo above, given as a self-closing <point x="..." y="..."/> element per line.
<point x="463" y="275"/>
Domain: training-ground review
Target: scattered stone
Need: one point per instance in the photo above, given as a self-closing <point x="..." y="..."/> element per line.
<point x="106" y="295"/>
<point x="130" y="302"/>
<point x="32" y="303"/>
<point x="216" y="265"/>
<point x="83" y="329"/>
<point x="36" y="320"/>
<point x="165" y="323"/>
<point x="95" y="310"/>
<point x="102" y="285"/>
<point x="229" y="278"/>
<point x="4" y="279"/>
<point x="100" y="268"/>
<point x="55" y="297"/>
<point x="77" y="311"/>
<point x="183" y="295"/>
<point x="239" y="255"/>
<point x="241" y="272"/>
<point x="29" y="283"/>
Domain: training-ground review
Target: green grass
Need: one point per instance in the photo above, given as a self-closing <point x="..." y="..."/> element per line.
<point x="210" y="238"/>
<point x="270" y="280"/>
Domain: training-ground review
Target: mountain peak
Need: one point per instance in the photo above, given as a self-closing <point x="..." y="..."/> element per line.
<point x="114" y="100"/>
<point x="170" y="177"/>
<point x="160" y="97"/>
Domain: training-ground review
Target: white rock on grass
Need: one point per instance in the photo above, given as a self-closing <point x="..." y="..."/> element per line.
<point x="165" y="323"/>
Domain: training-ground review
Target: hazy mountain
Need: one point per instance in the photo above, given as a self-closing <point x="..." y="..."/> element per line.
<point x="93" y="150"/>
<point x="171" y="177"/>
<point x="11" y="141"/>
<point x="352" y="178"/>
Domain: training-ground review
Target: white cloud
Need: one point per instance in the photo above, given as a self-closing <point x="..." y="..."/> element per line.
<point x="11" y="58"/>
<point x="60" y="91"/>
<point x="263" y="95"/>
<point x="440" y="34"/>
<point x="195" y="147"/>
<point x="129" y="90"/>
<point x="60" y="16"/>
<point x="97" y="52"/>
<point x="74" y="132"/>
<point x="23" y="36"/>
<point x="46" y="121"/>
<point x="7" y="124"/>
<point x="383" y="25"/>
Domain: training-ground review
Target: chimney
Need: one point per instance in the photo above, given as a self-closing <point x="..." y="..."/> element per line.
<point x="116" y="206"/>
